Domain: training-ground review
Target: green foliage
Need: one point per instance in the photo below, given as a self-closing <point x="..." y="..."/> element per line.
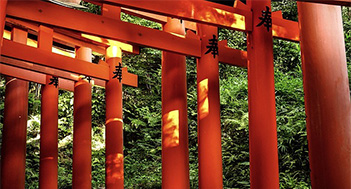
<point x="235" y="134"/>
<point x="288" y="8"/>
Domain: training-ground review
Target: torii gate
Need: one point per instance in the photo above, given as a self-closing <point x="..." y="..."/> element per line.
<point x="326" y="87"/>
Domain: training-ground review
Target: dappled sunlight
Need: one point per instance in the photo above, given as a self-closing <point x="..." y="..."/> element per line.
<point x="32" y="43"/>
<point x="170" y="130"/>
<point x="203" y="99"/>
<point x="225" y="16"/>
<point x="289" y="33"/>
<point x="114" y="120"/>
<point x="7" y="35"/>
<point x="64" y="53"/>
<point x="238" y="20"/>
<point x="114" y="167"/>
<point x="124" y="46"/>
<point x="113" y="51"/>
<point x="178" y="35"/>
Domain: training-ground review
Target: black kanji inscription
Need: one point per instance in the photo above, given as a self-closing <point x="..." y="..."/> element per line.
<point x="266" y="19"/>
<point x="54" y="81"/>
<point x="118" y="72"/>
<point x="213" y="46"/>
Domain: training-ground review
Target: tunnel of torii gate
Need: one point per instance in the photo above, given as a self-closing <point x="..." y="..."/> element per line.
<point x="52" y="45"/>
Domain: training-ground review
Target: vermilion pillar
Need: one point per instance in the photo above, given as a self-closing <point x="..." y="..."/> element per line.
<point x="49" y="121"/>
<point x="327" y="95"/>
<point x="114" y="122"/>
<point x="209" y="123"/>
<point x="114" y="111"/>
<point x="264" y="170"/>
<point x="175" y="156"/>
<point x="13" y="152"/>
<point x="82" y="128"/>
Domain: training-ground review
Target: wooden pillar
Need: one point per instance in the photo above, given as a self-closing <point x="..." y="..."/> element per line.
<point x="208" y="104"/>
<point x="175" y="155"/>
<point x="114" y="112"/>
<point x="13" y="152"/>
<point x="264" y="170"/>
<point x="114" y="122"/>
<point x="82" y="128"/>
<point x="3" y="4"/>
<point x="327" y="95"/>
<point x="49" y="121"/>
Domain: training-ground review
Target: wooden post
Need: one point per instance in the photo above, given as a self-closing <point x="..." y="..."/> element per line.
<point x="264" y="170"/>
<point x="327" y="95"/>
<point x="114" y="122"/>
<point x="49" y="121"/>
<point x="209" y="122"/>
<point x="175" y="155"/>
<point x="13" y="152"/>
<point x="82" y="128"/>
<point x="114" y="111"/>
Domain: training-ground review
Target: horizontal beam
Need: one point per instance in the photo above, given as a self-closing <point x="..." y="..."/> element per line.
<point x="196" y="10"/>
<point x="156" y="18"/>
<point x="33" y="43"/>
<point x="37" y="73"/>
<point x="32" y="76"/>
<point x="49" y="59"/>
<point x="284" y="29"/>
<point x="74" y="39"/>
<point x="57" y="16"/>
<point x="58" y="37"/>
<point x="332" y="2"/>
<point x="129" y="78"/>
<point x="234" y="57"/>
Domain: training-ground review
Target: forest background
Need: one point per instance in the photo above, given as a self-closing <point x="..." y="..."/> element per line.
<point x="142" y="116"/>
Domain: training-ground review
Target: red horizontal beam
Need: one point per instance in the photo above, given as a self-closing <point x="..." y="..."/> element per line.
<point x="36" y="77"/>
<point x="38" y="68"/>
<point x="196" y="10"/>
<point x="129" y="78"/>
<point x="156" y="18"/>
<point x="54" y="15"/>
<point x="70" y="38"/>
<point x="231" y="56"/>
<point x="49" y="59"/>
<point x="332" y="2"/>
<point x="284" y="29"/>
<point x="58" y="37"/>
<point x="37" y="73"/>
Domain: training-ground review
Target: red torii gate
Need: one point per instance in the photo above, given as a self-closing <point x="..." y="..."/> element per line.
<point x="328" y="118"/>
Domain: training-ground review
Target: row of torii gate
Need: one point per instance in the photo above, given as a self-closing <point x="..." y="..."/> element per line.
<point x="36" y="59"/>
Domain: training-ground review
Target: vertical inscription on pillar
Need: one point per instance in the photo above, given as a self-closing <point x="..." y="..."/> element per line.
<point x="266" y="19"/>
<point x="54" y="81"/>
<point x="212" y="46"/>
<point x="118" y="72"/>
